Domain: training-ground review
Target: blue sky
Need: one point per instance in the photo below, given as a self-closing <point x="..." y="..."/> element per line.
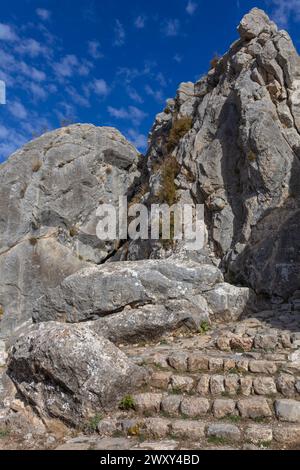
<point x="110" y="62"/>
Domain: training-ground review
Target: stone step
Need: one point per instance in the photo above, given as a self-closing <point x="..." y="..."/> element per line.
<point x="201" y="434"/>
<point x="214" y="361"/>
<point x="193" y="407"/>
<point x="230" y="384"/>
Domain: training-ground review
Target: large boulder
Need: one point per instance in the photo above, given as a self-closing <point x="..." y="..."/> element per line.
<point x="49" y="193"/>
<point x="71" y="373"/>
<point x="149" y="322"/>
<point x="178" y="286"/>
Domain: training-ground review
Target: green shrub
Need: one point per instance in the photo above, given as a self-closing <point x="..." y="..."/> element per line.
<point x="3" y="433"/>
<point x="179" y="129"/>
<point x="93" y="423"/>
<point x="204" y="327"/>
<point x="169" y="171"/>
<point x="1" y="311"/>
<point x="127" y="403"/>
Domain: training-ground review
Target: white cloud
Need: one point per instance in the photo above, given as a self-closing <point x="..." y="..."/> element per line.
<point x="69" y="66"/>
<point x="100" y="87"/>
<point x="65" y="112"/>
<point x="43" y="13"/>
<point x="160" y="78"/>
<point x="7" y="33"/>
<point x="171" y="28"/>
<point x="31" y="47"/>
<point x="191" y="7"/>
<point x="17" y="109"/>
<point x="140" y="21"/>
<point x="119" y="34"/>
<point x="129" y="74"/>
<point x="134" y="95"/>
<point x="10" y="141"/>
<point x="94" y="49"/>
<point x="137" y="139"/>
<point x="4" y="132"/>
<point x="65" y="67"/>
<point x="133" y="114"/>
<point x="156" y="94"/>
<point x="31" y="72"/>
<point x="284" y="10"/>
<point x="16" y="70"/>
<point x="77" y="97"/>
<point x="177" y="58"/>
<point x="37" y="91"/>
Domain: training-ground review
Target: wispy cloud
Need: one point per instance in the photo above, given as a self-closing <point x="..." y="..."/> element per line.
<point x="10" y="140"/>
<point x="38" y="92"/>
<point x="100" y="87"/>
<point x="137" y="139"/>
<point x="7" y="33"/>
<point x="17" y="109"/>
<point x="119" y="34"/>
<point x="43" y="13"/>
<point x="77" y="97"/>
<point x="171" y="27"/>
<point x="129" y="74"/>
<point x="191" y="7"/>
<point x="140" y="21"/>
<point x="156" y="94"/>
<point x="94" y="49"/>
<point x="132" y="113"/>
<point x="32" y="48"/>
<point x="69" y="66"/>
<point x="65" y="67"/>
<point x="177" y="58"/>
<point x="285" y="10"/>
<point x="134" y="95"/>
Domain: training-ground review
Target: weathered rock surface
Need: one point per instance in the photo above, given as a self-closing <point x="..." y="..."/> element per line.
<point x="49" y="193"/>
<point x="69" y="372"/>
<point x="182" y="291"/>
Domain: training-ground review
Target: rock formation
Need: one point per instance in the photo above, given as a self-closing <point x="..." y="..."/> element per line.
<point x="240" y="157"/>
<point x="49" y="193"/>
<point x="231" y="141"/>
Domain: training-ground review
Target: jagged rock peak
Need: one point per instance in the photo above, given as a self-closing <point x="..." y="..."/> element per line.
<point x="254" y="23"/>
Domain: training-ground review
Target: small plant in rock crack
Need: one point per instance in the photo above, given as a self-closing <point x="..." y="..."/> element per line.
<point x="127" y="403"/>
<point x="93" y="423"/>
<point x="204" y="328"/>
<point x="216" y="440"/>
<point x="4" y="433"/>
<point x="33" y="241"/>
<point x="233" y="418"/>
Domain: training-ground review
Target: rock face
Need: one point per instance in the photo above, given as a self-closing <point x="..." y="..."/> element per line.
<point x="49" y="193"/>
<point x="69" y="372"/>
<point x="238" y="153"/>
